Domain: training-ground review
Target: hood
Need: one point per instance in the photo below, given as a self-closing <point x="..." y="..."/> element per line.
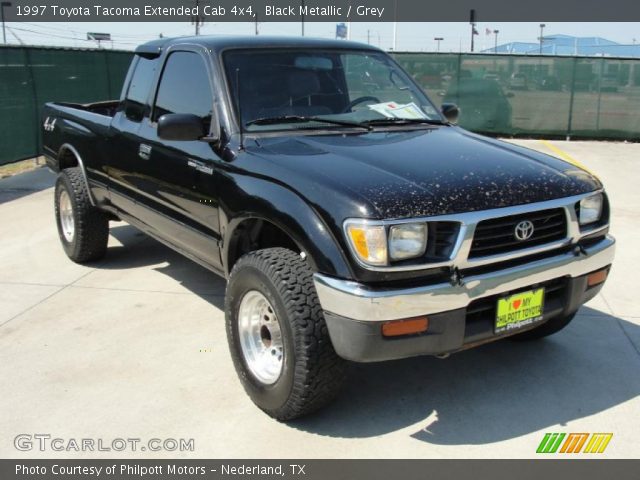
<point x="399" y="174"/>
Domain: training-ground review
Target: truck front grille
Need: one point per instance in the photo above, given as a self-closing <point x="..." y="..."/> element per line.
<point x="442" y="239"/>
<point x="497" y="235"/>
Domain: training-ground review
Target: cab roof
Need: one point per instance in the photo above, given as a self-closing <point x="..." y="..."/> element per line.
<point x="222" y="42"/>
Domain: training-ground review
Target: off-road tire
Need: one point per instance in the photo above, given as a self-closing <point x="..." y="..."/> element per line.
<point x="548" y="328"/>
<point x="91" y="226"/>
<point x="312" y="372"/>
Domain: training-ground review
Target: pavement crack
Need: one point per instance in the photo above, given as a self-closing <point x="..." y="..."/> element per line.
<point x="618" y="321"/>
<point x="606" y="302"/>
<point x="135" y="290"/>
<point x="32" y="306"/>
<point x="626" y="334"/>
<point x="33" y="284"/>
<point x="44" y="299"/>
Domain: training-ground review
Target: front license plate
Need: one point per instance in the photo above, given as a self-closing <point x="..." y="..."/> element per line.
<point x="519" y="310"/>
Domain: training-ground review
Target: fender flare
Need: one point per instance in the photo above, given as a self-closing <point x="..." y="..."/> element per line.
<point x="68" y="147"/>
<point x="289" y="212"/>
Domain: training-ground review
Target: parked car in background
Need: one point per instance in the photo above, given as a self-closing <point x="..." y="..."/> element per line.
<point x="609" y="83"/>
<point x="518" y="81"/>
<point x="485" y="105"/>
<point x="550" y="83"/>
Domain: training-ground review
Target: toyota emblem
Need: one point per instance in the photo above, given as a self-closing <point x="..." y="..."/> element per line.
<point x="523" y="230"/>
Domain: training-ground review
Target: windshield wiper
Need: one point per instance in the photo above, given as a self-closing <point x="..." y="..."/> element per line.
<point x="304" y="119"/>
<point x="402" y="121"/>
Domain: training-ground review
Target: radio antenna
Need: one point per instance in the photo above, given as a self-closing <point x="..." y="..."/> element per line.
<point x="239" y="108"/>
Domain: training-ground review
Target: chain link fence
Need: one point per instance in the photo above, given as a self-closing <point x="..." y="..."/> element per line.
<point x="523" y="95"/>
<point x="513" y="95"/>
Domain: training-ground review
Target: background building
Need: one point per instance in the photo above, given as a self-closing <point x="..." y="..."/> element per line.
<point x="569" y="45"/>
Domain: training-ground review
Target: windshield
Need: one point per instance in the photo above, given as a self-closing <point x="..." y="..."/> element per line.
<point x="295" y="89"/>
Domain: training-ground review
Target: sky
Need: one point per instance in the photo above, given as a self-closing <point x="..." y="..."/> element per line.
<point x="409" y="36"/>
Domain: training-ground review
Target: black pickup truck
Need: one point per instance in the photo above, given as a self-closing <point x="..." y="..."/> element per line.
<point x="352" y="218"/>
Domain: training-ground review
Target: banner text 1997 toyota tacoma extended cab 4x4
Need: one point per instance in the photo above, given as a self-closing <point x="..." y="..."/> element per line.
<point x="352" y="219"/>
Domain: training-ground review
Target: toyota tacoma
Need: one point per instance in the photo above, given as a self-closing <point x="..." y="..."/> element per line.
<point x="352" y="219"/>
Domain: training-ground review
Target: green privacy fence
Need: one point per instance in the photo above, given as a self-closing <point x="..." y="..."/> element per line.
<point x="515" y="95"/>
<point x="556" y="96"/>
<point x="31" y="76"/>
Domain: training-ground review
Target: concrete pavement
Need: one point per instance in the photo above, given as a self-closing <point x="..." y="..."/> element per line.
<point x="134" y="347"/>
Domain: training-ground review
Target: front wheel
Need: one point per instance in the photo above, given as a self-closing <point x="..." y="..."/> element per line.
<point x="82" y="228"/>
<point x="277" y="335"/>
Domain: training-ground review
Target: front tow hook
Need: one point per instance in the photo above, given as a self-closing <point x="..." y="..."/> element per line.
<point x="456" y="278"/>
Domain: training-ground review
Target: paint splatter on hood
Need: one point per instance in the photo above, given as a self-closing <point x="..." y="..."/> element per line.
<point x="427" y="172"/>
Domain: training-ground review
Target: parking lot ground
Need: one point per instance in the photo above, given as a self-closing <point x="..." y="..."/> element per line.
<point x="134" y="347"/>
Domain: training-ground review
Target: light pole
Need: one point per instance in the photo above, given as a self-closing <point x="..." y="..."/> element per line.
<point x="349" y="23"/>
<point x="197" y="20"/>
<point x="542" y="25"/>
<point x="472" y="22"/>
<point x="4" y="33"/>
<point x="495" y="48"/>
<point x="438" y="39"/>
<point x="395" y="24"/>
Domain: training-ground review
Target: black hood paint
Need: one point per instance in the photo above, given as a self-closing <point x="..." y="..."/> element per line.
<point x="427" y="172"/>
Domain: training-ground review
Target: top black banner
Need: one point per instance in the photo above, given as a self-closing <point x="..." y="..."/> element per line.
<point x="322" y="11"/>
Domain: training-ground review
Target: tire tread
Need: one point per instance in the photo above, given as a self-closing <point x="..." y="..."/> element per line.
<point x="91" y="224"/>
<point x="319" y="372"/>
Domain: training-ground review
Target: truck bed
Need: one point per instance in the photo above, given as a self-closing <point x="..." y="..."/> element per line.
<point x="107" y="107"/>
<point x="84" y="127"/>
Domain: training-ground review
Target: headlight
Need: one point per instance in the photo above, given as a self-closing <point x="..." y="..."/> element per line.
<point x="590" y="209"/>
<point x="407" y="241"/>
<point x="369" y="242"/>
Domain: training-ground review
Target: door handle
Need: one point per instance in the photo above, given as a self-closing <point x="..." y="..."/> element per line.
<point x="199" y="166"/>
<point x="144" y="151"/>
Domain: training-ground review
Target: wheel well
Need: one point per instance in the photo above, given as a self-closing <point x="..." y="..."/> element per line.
<point x="256" y="234"/>
<point x="67" y="159"/>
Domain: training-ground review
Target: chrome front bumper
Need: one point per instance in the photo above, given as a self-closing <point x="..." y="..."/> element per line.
<point x="355" y="301"/>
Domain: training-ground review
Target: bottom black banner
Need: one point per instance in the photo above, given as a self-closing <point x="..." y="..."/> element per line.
<point x="319" y="469"/>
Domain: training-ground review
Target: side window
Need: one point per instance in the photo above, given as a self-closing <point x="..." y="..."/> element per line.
<point x="184" y="87"/>
<point x="138" y="91"/>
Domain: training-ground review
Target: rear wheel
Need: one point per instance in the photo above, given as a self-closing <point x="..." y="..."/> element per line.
<point x="277" y="335"/>
<point x="548" y="328"/>
<point x="82" y="228"/>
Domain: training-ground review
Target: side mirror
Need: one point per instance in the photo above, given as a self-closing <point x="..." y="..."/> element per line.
<point x="451" y="112"/>
<point x="180" y="126"/>
<point x="133" y="111"/>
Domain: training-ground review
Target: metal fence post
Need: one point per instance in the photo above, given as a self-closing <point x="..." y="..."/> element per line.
<point x="108" y="73"/>
<point x="458" y="78"/>
<point x="36" y="100"/>
<point x="573" y="91"/>
<point x="600" y="73"/>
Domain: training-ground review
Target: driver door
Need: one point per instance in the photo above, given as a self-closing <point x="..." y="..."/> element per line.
<point x="177" y="180"/>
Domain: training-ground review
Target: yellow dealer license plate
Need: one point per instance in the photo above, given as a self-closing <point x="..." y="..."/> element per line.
<point x="519" y="310"/>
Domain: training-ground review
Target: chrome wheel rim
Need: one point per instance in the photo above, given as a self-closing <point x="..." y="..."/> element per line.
<point x="260" y="337"/>
<point x="66" y="216"/>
